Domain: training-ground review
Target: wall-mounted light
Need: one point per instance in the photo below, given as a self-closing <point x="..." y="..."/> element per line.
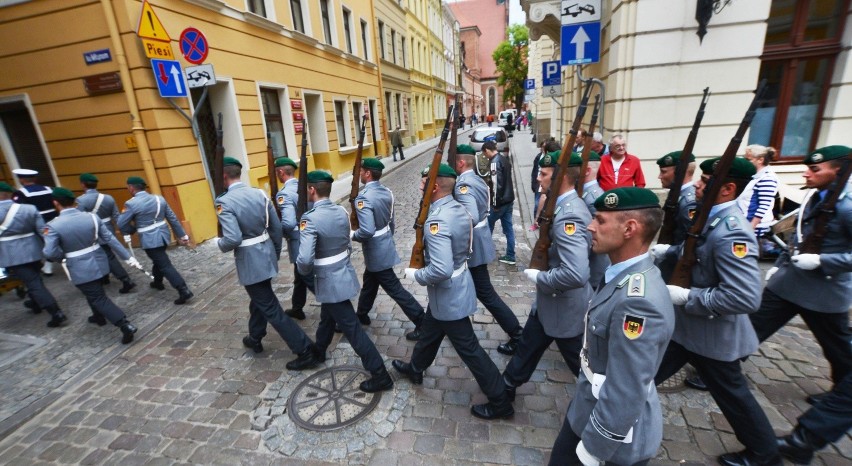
<point x="704" y="10"/>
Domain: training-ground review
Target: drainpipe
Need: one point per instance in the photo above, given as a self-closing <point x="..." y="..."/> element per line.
<point x="137" y="128"/>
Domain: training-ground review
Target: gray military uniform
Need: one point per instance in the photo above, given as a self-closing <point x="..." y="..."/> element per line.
<point x="616" y="411"/>
<point x="597" y="262"/>
<point x="687" y="206"/>
<point x="21" y="249"/>
<point x="103" y="205"/>
<point x="287" y="200"/>
<point x="472" y="192"/>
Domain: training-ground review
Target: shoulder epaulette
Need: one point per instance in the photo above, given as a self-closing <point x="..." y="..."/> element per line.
<point x="715" y="222"/>
<point x="636" y="288"/>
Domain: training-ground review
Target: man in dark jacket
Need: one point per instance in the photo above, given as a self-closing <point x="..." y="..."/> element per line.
<point x="502" y="198"/>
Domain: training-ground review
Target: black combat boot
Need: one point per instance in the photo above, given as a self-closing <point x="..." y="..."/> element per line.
<point x="319" y="353"/>
<point x="126" y="287"/>
<point x="32" y="306"/>
<point x="797" y="447"/>
<point x="511" y="346"/>
<point x="414" y="335"/>
<point x="497" y="409"/>
<point x="747" y="458"/>
<point x="127" y="331"/>
<point x="510" y="391"/>
<point x="255" y="345"/>
<point x="364" y="319"/>
<point x="380" y="382"/>
<point x="57" y="317"/>
<point x="98" y="319"/>
<point x="405" y="368"/>
<point x="157" y="285"/>
<point x="306" y="360"/>
<point x="184" y="296"/>
<point x="296" y="313"/>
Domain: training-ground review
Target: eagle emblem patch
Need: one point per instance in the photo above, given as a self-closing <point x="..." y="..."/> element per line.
<point x="434" y="228"/>
<point x="633" y="326"/>
<point x="463" y="189"/>
<point x="739" y="249"/>
<point x="44" y="231"/>
<point x="303" y="224"/>
<point x="569" y="228"/>
<point x="691" y="214"/>
<point x="218" y="209"/>
<point x="359" y="205"/>
<point x="280" y="200"/>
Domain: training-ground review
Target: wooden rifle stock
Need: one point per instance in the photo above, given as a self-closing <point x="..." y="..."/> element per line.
<point x="302" y="200"/>
<point x="670" y="206"/>
<point x="356" y="175"/>
<point x="418" y="261"/>
<point x="454" y="137"/>
<point x="219" y="166"/>
<point x="812" y="244"/>
<point x="539" y="258"/>
<point x="273" y="178"/>
<point x="587" y="145"/>
<point x="682" y="275"/>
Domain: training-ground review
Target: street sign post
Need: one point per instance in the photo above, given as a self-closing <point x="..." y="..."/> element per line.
<point x="529" y="84"/>
<point x="551" y="91"/>
<point x="200" y="76"/>
<point x="551" y="73"/>
<point x="194" y="46"/>
<point x="581" y="43"/>
<point x="169" y="78"/>
<point x="580" y="11"/>
<point x="150" y="26"/>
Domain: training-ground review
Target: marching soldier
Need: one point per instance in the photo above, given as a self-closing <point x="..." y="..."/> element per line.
<point x="374" y="208"/>
<point x="103" y="205"/>
<point x="615" y="416"/>
<point x="472" y="193"/>
<point x="712" y="329"/>
<point x="21" y="228"/>
<point x="77" y="237"/>
<point x="591" y="191"/>
<point x="817" y="287"/>
<point x="452" y="299"/>
<point x="324" y="247"/>
<point x="287" y="198"/>
<point x="686" y="205"/>
<point x="250" y="229"/>
<point x="147" y="215"/>
<point x="36" y="195"/>
<point x="562" y="291"/>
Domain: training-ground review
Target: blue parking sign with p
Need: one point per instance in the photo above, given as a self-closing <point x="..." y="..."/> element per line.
<point x="551" y="73"/>
<point x="529" y="84"/>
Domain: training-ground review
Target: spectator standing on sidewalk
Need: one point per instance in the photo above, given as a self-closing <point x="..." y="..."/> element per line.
<point x="534" y="185"/>
<point x="598" y="145"/>
<point x="396" y="142"/>
<point x="490" y="120"/>
<point x="758" y="198"/>
<point x="618" y="168"/>
<point x="461" y="121"/>
<point x="502" y="199"/>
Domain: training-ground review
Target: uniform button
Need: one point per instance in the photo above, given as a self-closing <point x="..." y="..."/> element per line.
<point x="593" y="327"/>
<point x="554" y="295"/>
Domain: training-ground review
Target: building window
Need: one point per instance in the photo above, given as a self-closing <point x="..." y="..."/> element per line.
<point x="402" y="48"/>
<point x="347" y="29"/>
<point x="802" y="44"/>
<point x="298" y="18"/>
<point x="382" y="40"/>
<point x="358" y="112"/>
<point x="271" y="105"/>
<point x="326" y="21"/>
<point x="393" y="45"/>
<point x="342" y="119"/>
<point x="398" y="102"/>
<point x="257" y="7"/>
<point x="388" y="108"/>
<point x="373" y="113"/>
<point x="364" y="39"/>
<point x="492" y="101"/>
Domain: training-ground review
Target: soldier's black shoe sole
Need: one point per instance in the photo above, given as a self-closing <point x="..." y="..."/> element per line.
<point x="405" y="368"/>
<point x="295" y="314"/>
<point x="489" y="411"/>
<point x="252" y="344"/>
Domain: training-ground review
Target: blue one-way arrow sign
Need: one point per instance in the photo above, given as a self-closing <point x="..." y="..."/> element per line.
<point x="169" y="78"/>
<point x="581" y="43"/>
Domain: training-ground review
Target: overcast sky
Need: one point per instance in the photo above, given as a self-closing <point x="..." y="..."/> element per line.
<point x="516" y="13"/>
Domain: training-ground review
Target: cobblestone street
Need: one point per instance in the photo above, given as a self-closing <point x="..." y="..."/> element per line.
<point x="187" y="391"/>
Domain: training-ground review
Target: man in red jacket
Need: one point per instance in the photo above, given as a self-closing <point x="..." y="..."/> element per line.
<point x="620" y="169"/>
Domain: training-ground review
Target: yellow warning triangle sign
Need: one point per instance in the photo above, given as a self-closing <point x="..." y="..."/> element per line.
<point x="150" y="26"/>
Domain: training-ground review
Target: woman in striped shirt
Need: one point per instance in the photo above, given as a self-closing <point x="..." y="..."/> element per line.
<point x="758" y="198"/>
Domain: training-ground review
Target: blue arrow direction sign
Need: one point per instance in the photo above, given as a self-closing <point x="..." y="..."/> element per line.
<point x="551" y="73"/>
<point x="529" y="84"/>
<point x="169" y="78"/>
<point x="581" y="43"/>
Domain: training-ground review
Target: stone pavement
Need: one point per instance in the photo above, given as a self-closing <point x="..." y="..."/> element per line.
<point x="188" y="392"/>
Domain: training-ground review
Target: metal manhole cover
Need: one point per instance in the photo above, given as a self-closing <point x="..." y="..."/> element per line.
<point x="675" y="383"/>
<point x="330" y="399"/>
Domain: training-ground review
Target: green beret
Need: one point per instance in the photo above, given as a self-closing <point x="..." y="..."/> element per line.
<point x="285" y="161"/>
<point x="550" y="159"/>
<point x="60" y="193"/>
<point x="319" y="176"/>
<point x="5" y="188"/>
<point x="740" y="169"/>
<point x="465" y="149"/>
<point x="672" y="159"/>
<point x="594" y="156"/>
<point x="826" y="153"/>
<point x="444" y="170"/>
<point x="136" y="180"/>
<point x="88" y="178"/>
<point x="630" y="198"/>
<point x="227" y="161"/>
<point x="372" y="164"/>
<point x="576" y="160"/>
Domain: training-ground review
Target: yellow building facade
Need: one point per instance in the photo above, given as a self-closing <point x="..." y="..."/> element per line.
<point x="278" y="66"/>
<point x="420" y="72"/>
<point x="395" y="58"/>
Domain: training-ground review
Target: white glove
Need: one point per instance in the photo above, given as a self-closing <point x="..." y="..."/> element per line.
<point x="771" y="272"/>
<point x="659" y="250"/>
<point x="217" y="240"/>
<point x="127" y="239"/>
<point x="133" y="263"/>
<point x="678" y="295"/>
<point x="352" y="233"/>
<point x="185" y="238"/>
<point x="806" y="261"/>
<point x="409" y="273"/>
<point x="532" y="274"/>
<point x="585" y="457"/>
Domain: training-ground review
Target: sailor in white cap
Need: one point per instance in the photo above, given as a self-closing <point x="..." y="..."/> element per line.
<point x="36" y="195"/>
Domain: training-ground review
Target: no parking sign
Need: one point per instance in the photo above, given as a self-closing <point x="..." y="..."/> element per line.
<point x="194" y="46"/>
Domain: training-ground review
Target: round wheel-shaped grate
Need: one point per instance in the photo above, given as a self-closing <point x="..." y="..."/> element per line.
<point x="331" y="399"/>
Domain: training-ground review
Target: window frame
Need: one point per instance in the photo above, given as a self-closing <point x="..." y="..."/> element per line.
<point x="344" y="121"/>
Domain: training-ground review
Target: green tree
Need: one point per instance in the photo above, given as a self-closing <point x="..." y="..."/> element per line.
<point x="511" y="60"/>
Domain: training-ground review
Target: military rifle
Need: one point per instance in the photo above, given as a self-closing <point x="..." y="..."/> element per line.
<point x="587" y="146"/>
<point x="682" y="275"/>
<point x="302" y="201"/>
<point x="670" y="206"/>
<point x="812" y="244"/>
<point x="454" y="137"/>
<point x="273" y="177"/>
<point x="417" y="260"/>
<point x="539" y="258"/>
<point x="219" y="165"/>
<point x="356" y="175"/>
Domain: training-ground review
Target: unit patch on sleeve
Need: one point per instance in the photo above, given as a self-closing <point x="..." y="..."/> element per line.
<point x="569" y="228"/>
<point x="219" y="209"/>
<point x="739" y="249"/>
<point x="359" y="205"/>
<point x="463" y="189"/>
<point x="691" y="214"/>
<point x="434" y="228"/>
<point x="280" y="200"/>
<point x="633" y="326"/>
<point x="303" y="224"/>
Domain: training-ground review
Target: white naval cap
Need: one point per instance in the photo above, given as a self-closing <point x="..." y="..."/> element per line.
<point x="24" y="172"/>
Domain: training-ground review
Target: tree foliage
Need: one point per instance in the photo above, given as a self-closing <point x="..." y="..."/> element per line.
<point x="511" y="60"/>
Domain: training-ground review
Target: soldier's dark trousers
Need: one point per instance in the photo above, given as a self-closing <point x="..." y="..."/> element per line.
<point x="460" y="333"/>
<point x="99" y="302"/>
<point x="30" y="274"/>
<point x="301" y="285"/>
<point x="831" y="330"/>
<point x="389" y="282"/>
<point x="115" y="267"/>
<point x="729" y="388"/>
<point x="534" y="342"/>
<point x="163" y="268"/>
<point x="831" y="417"/>
<point x="565" y="449"/>
<point x="264" y="308"/>
<point x="343" y="314"/>
<point x="487" y="295"/>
